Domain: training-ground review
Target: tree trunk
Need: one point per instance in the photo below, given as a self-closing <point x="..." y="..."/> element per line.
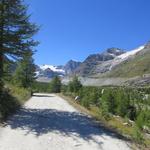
<point x="1" y="45"/>
<point x="1" y="71"/>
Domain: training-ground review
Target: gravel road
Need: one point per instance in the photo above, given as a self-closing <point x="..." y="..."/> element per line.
<point x="48" y="122"/>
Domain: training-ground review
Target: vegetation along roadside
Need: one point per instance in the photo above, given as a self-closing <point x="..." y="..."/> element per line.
<point x="123" y="109"/>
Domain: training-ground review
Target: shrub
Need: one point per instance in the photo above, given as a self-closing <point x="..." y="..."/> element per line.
<point x="11" y="99"/>
<point x="41" y="87"/>
<point x="143" y="119"/>
<point x="138" y="136"/>
<point x="74" y="85"/>
<point x="55" y="85"/>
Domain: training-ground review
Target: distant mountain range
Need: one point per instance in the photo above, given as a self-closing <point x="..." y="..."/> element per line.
<point x="113" y="63"/>
<point x="46" y="72"/>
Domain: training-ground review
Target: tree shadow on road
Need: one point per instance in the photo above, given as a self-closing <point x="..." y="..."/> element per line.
<point x="42" y="121"/>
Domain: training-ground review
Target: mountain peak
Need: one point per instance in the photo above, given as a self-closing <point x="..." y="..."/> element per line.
<point x="51" y="67"/>
<point x="71" y="65"/>
<point x="147" y="45"/>
<point x="115" y="51"/>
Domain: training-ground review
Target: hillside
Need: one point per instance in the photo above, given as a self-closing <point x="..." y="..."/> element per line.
<point x="98" y="63"/>
<point x="135" y="66"/>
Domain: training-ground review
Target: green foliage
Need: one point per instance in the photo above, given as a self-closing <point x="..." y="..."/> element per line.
<point x="74" y="85"/>
<point x="7" y="105"/>
<point x="125" y="102"/>
<point x="11" y="99"/>
<point x="55" y="85"/>
<point x="108" y="102"/>
<point x="92" y="97"/>
<point x="41" y="87"/>
<point x="16" y="32"/>
<point x="24" y="75"/>
<point x="86" y="101"/>
<point x="143" y="119"/>
<point x="138" y="136"/>
<point x="16" y="43"/>
<point x="64" y="89"/>
<point x="134" y="67"/>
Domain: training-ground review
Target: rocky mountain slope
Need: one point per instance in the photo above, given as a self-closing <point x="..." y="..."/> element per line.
<point x="121" y="64"/>
<point x="112" y="67"/>
<point x="98" y="63"/>
<point x="135" y="64"/>
<point x="71" y="66"/>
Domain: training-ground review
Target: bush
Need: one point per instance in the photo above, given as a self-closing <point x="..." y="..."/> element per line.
<point x="143" y="119"/>
<point x="74" y="85"/>
<point x="138" y="136"/>
<point x="41" y="87"/>
<point x="8" y="104"/>
<point x="11" y="99"/>
<point x="108" y="101"/>
<point x="55" y="85"/>
<point x="122" y="101"/>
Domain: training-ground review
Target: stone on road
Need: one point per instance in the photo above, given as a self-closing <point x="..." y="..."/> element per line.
<point x="48" y="122"/>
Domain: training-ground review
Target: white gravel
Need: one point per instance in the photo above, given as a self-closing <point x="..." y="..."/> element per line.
<point x="48" y="122"/>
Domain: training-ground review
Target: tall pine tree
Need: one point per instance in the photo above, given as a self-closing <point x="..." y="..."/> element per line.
<point x="16" y="31"/>
<point x="24" y="75"/>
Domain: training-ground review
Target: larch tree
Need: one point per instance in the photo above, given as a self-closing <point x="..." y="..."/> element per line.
<point x="16" y="32"/>
<point x="55" y="85"/>
<point x="24" y="75"/>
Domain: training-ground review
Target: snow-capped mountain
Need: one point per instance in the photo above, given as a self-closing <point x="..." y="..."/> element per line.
<point x="52" y="68"/>
<point x="101" y="63"/>
<point x="113" y="62"/>
<point x="98" y="63"/>
<point x="49" y="71"/>
<point x="130" y="53"/>
<point x="132" y="64"/>
<point x="125" y="56"/>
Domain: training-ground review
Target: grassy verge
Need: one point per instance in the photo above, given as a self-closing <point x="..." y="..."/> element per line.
<point x="115" y="124"/>
<point x="11" y="99"/>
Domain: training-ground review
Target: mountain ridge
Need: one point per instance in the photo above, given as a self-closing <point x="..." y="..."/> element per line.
<point x="112" y="63"/>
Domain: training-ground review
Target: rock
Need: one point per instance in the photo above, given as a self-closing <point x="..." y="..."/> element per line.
<point x="146" y="129"/>
<point x="125" y="124"/>
<point x="77" y="98"/>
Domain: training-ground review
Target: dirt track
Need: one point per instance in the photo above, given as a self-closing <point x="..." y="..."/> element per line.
<point x="48" y="122"/>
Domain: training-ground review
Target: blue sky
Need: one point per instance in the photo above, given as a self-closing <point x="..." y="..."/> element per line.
<point x="73" y="29"/>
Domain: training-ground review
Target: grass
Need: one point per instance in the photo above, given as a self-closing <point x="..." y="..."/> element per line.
<point x="11" y="99"/>
<point x="21" y="94"/>
<point x="134" y="67"/>
<point x="115" y="124"/>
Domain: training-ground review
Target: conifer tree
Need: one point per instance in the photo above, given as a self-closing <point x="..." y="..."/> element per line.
<point x="75" y="85"/>
<point x="56" y="85"/>
<point x="24" y="75"/>
<point x="16" y="31"/>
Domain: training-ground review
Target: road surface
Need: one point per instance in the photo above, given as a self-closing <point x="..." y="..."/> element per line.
<point x="48" y="122"/>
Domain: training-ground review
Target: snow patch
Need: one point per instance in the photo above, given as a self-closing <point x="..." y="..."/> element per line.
<point x="53" y="68"/>
<point x="130" y="53"/>
<point x="124" y="57"/>
<point x="37" y="73"/>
